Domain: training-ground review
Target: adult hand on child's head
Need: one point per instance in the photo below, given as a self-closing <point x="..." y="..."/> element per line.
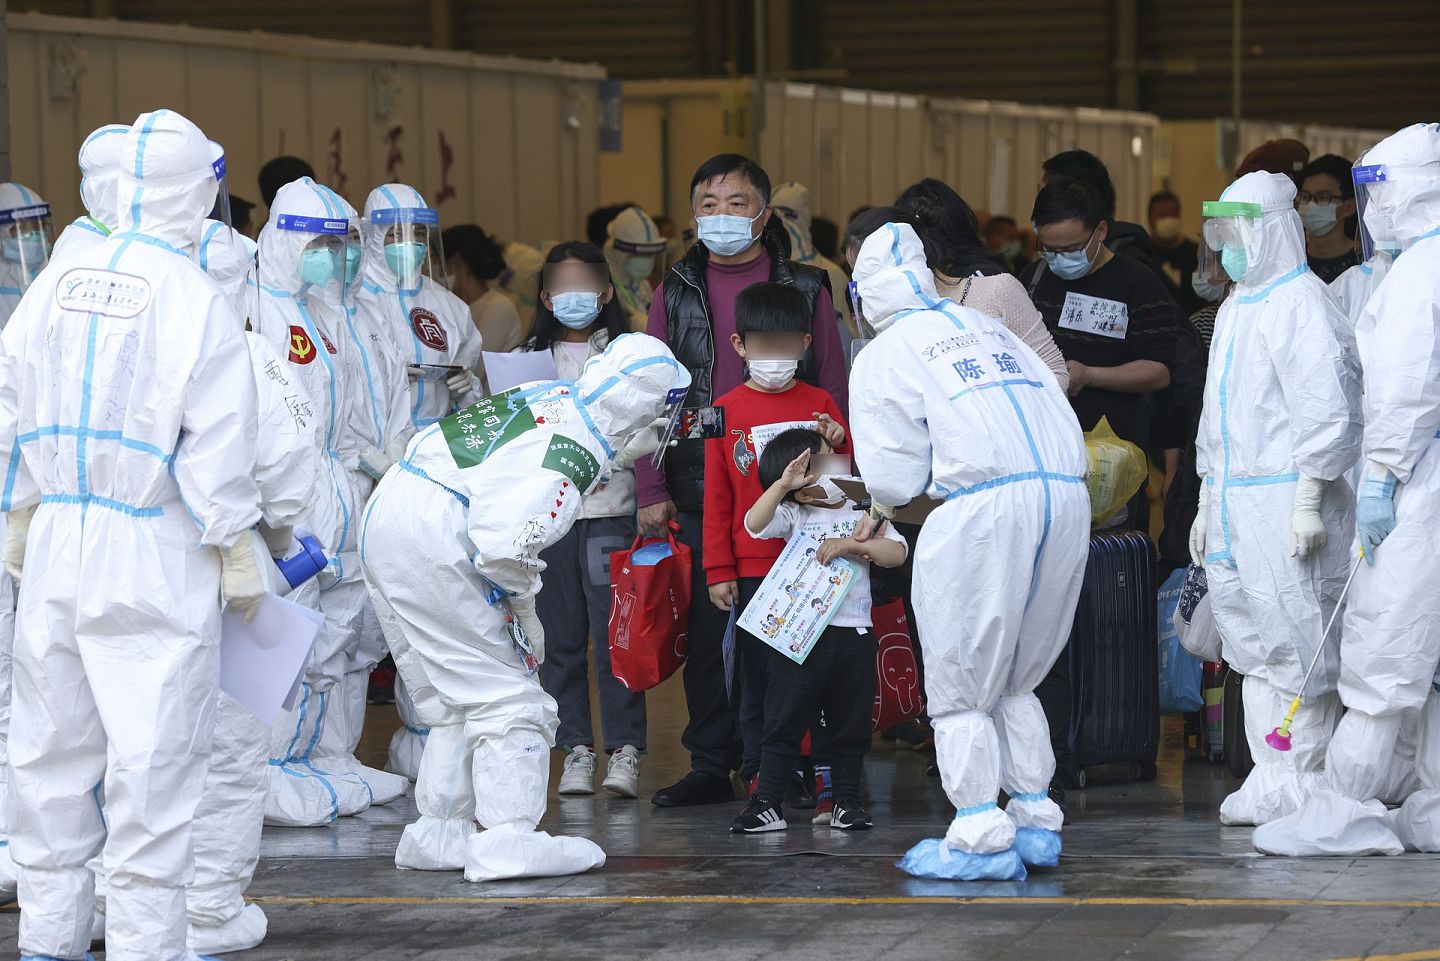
<point x="827" y="428"/>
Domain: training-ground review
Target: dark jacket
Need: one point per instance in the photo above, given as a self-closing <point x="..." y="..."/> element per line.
<point x="692" y="340"/>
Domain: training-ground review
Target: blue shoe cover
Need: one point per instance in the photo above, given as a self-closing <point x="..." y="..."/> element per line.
<point x="1037" y="847"/>
<point x="932" y="858"/>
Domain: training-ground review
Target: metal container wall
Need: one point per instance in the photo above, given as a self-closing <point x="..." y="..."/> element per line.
<point x="853" y="147"/>
<point x="510" y="144"/>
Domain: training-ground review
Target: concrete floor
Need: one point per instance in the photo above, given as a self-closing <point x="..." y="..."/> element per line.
<point x="1148" y="873"/>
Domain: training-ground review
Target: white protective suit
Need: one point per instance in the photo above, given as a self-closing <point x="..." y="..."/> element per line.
<point x="480" y="496"/>
<point x="792" y="202"/>
<point x="379" y="429"/>
<point x="232" y="807"/>
<point x="98" y="174"/>
<point x="1281" y="412"/>
<point x="1354" y="288"/>
<point x="310" y="785"/>
<point x="432" y="325"/>
<point x="17" y="271"/>
<point x="127" y="407"/>
<point x="631" y="246"/>
<point x="946" y="401"/>
<point x="1391" y="642"/>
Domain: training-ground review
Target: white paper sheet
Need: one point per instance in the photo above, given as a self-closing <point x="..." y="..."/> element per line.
<point x="797" y="599"/>
<point x="504" y="371"/>
<point x="261" y="662"/>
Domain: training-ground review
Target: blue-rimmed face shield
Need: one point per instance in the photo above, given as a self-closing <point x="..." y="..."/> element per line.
<point x="409" y="244"/>
<point x="321" y="245"/>
<point x="1380" y="190"/>
<point x="221" y="210"/>
<point x="26" y="239"/>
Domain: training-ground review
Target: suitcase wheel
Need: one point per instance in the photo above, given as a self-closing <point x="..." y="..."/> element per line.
<point x="1076" y="779"/>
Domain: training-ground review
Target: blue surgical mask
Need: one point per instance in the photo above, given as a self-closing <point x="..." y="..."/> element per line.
<point x="1207" y="291"/>
<point x="354" y="253"/>
<point x="726" y="234"/>
<point x="1234" y="261"/>
<point x="576" y="309"/>
<point x="1070" y="264"/>
<point x="639" y="267"/>
<point x="405" y="259"/>
<point x="27" y="249"/>
<point x="317" y="266"/>
<point x="1319" y="219"/>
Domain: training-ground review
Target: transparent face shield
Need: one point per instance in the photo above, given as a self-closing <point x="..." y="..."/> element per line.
<point x="1228" y="232"/>
<point x="26" y="239"/>
<point x="353" y="261"/>
<point x="674" y="403"/>
<point x="410" y="244"/>
<point x="221" y="210"/>
<point x="321" y="262"/>
<point x="1380" y="189"/>
<point x="640" y="258"/>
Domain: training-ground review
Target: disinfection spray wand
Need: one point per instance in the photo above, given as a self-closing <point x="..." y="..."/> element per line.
<point x="1279" y="738"/>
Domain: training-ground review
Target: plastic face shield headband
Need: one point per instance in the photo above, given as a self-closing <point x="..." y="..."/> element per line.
<point x="857" y="310"/>
<point x="410" y="241"/>
<point x="335" y="233"/>
<point x="25" y="238"/>
<point x="221" y="210"/>
<point x="1228" y="224"/>
<point x="1372" y="181"/>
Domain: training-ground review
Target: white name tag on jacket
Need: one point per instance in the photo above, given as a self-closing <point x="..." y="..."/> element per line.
<point x="1095" y="315"/>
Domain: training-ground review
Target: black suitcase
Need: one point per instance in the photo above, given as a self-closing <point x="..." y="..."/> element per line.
<point x="1236" y="747"/>
<point x="1113" y="660"/>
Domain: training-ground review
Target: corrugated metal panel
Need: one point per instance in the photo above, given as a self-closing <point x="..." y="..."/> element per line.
<point x="631" y="38"/>
<point x="1317" y="61"/>
<point x="384" y="21"/>
<point x="1049" y="51"/>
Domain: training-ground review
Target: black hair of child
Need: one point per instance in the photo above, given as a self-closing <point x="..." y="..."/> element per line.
<point x="770" y="308"/>
<point x="783" y="449"/>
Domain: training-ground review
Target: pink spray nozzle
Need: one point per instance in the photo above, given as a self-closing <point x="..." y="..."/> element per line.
<point x="1278" y="739"/>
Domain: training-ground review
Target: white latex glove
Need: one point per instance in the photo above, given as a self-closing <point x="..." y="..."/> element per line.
<point x="374" y="461"/>
<point x="17" y="528"/>
<point x="524" y="610"/>
<point x="1307" y="531"/>
<point x="1197" y="529"/>
<point x="240" y="581"/>
<point x="395" y="449"/>
<point x="646" y="441"/>
<point x="460" y="384"/>
<point x="278" y="540"/>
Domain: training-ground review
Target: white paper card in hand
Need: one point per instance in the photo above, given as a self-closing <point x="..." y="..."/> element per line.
<point x="261" y="662"/>
<point x="1095" y="315"/>
<point x="504" y="371"/>
<point x="798" y="598"/>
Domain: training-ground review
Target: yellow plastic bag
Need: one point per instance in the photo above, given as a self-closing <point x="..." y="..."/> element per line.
<point x="1114" y="471"/>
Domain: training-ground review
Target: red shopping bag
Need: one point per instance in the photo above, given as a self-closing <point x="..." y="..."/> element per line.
<point x="649" y="610"/>
<point x="897" y="675"/>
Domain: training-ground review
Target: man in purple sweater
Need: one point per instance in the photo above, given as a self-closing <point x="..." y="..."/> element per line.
<point x="694" y="314"/>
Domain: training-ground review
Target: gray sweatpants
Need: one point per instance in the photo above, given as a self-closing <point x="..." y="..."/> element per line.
<point x="574" y="609"/>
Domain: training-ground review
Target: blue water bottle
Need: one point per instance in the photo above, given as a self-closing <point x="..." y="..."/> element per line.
<point x="303" y="564"/>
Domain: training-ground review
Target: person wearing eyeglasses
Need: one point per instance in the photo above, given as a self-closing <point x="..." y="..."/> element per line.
<point x="1326" y="203"/>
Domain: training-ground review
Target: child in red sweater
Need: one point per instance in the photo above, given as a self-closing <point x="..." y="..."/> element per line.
<point x="772" y="323"/>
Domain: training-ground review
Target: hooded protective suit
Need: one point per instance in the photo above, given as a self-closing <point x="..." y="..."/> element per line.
<point x="1354" y="288"/>
<point x="1279" y="431"/>
<point x="432" y="325"/>
<point x="633" y="242"/>
<point x="521" y="280"/>
<point x="232" y="807"/>
<point x="946" y="401"/>
<point x="1391" y="641"/>
<point x="377" y="432"/>
<point x="294" y="317"/>
<point x="98" y="172"/>
<point x="480" y="495"/>
<point x="792" y="202"/>
<point x="128" y="414"/>
<point x="23" y="257"/>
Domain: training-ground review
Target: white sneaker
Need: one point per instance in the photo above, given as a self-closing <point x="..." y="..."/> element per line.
<point x="579" y="774"/>
<point x="622" y="776"/>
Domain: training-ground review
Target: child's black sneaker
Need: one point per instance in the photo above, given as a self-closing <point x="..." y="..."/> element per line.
<point x="850" y="816"/>
<point x="758" y="817"/>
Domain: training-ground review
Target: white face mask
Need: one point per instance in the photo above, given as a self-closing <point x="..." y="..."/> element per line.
<point x="773" y="374"/>
<point x="1167" y="228"/>
<point x="834" y="496"/>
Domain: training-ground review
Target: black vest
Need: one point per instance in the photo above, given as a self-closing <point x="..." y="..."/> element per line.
<point x="691" y="338"/>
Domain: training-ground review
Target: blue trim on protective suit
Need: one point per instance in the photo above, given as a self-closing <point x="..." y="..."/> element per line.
<point x="1268" y="289"/>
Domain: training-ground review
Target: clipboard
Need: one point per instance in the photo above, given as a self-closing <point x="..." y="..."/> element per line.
<point x="914" y="512"/>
